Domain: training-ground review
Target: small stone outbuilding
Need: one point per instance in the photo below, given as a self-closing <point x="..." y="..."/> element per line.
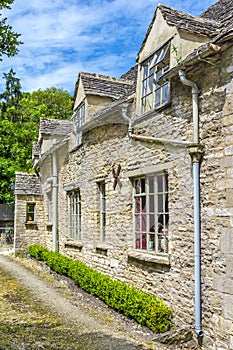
<point x="139" y="183"/>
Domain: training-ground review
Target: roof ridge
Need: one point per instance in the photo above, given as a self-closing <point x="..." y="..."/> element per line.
<point x="174" y="9"/>
<point x="106" y="77"/>
<point x="198" y="18"/>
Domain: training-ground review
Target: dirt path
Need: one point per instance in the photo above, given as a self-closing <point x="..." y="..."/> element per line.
<point x="41" y="311"/>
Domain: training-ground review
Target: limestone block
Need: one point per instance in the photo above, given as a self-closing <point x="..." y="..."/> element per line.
<point x="228" y="304"/>
<point x="227" y="241"/>
<point x="114" y="263"/>
<point x="223" y="284"/>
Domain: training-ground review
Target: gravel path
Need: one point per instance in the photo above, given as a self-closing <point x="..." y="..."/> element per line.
<point x="96" y="326"/>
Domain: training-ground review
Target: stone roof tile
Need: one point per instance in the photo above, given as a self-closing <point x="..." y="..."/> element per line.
<point x="102" y="85"/>
<point x="26" y="184"/>
<point x="55" y="127"/>
<point x="222" y="12"/>
<point x="189" y="23"/>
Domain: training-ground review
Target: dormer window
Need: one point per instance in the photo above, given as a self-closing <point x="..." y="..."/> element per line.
<point x="78" y="119"/>
<point x="155" y="95"/>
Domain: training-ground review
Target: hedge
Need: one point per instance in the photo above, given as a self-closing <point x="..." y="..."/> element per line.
<point x="144" y="308"/>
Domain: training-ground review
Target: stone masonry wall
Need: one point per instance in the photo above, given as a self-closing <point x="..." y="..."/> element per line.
<point x="27" y="233"/>
<point x="171" y="278"/>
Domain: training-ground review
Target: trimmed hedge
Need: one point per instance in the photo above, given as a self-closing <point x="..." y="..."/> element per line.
<point x="144" y="308"/>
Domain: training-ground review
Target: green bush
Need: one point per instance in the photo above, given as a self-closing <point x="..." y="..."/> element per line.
<point x="144" y="308"/>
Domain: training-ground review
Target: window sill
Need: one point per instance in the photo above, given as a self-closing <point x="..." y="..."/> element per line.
<point x="30" y="223"/>
<point x="151" y="113"/>
<point x="73" y="244"/>
<point x="151" y="259"/>
<point x="102" y="248"/>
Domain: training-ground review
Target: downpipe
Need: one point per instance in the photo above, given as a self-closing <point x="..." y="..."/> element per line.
<point x="54" y="200"/>
<point x="196" y="152"/>
<point x="124" y="115"/>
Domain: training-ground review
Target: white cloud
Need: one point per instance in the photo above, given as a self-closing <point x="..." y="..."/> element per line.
<point x="62" y="38"/>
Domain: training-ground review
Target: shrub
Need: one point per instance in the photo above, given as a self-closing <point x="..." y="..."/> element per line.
<point x="144" y="308"/>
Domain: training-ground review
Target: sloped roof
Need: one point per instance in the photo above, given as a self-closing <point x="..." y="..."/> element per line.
<point x="55" y="127"/>
<point x="26" y="184"/>
<point x="221" y="12"/>
<point x="132" y="76"/>
<point x="189" y="23"/>
<point x="102" y="85"/>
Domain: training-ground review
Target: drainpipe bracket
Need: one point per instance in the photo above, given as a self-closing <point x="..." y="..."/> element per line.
<point x="196" y="152"/>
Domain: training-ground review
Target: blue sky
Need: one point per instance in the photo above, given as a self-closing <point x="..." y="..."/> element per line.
<point x="63" y="37"/>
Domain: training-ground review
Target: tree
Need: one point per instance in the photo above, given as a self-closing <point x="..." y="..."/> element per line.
<point x="12" y="95"/>
<point x="8" y="39"/>
<point x="19" y="124"/>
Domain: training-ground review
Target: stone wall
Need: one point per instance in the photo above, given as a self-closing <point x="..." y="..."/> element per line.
<point x="26" y="232"/>
<point x="170" y="277"/>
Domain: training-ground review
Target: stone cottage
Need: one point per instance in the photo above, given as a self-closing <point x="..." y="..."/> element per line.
<point x="139" y="183"/>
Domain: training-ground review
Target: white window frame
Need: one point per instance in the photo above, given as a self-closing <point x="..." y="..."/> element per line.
<point x="74" y="204"/>
<point x="78" y="120"/>
<point x="151" y="214"/>
<point x="102" y="213"/>
<point x="155" y="95"/>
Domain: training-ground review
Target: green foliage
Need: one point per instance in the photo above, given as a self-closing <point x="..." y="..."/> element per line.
<point x="12" y="95"/>
<point x="145" y="308"/>
<point x="8" y="38"/>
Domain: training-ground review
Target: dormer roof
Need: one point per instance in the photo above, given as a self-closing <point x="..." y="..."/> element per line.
<point x="189" y="23"/>
<point x="55" y="127"/>
<point x="105" y="86"/>
<point x="211" y="23"/>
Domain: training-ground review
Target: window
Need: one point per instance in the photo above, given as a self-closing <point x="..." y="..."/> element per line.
<point x="151" y="213"/>
<point x="153" y="94"/>
<point x="74" y="200"/>
<point x="30" y="212"/>
<point x="102" y="210"/>
<point x="78" y="119"/>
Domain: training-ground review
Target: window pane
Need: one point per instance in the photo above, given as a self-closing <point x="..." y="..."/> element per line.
<point x="160" y="203"/>
<point x="138" y="223"/>
<point x="151" y="83"/>
<point x="143" y="185"/>
<point x="143" y="217"/>
<point x="145" y="72"/>
<point x="151" y="223"/>
<point x="151" y="184"/>
<point x="152" y="242"/>
<point x="162" y="244"/>
<point x="157" y="97"/>
<point x="151" y="204"/>
<point x="137" y="186"/>
<point x="165" y="93"/>
<point x="144" y="241"/>
<point x="143" y="204"/>
<point x="160" y="183"/>
<point x="137" y="205"/>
